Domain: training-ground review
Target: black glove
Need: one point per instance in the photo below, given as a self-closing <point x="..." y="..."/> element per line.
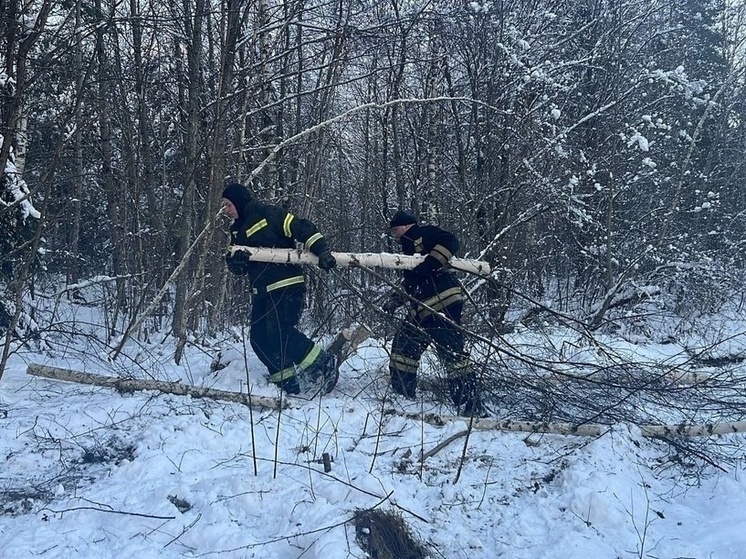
<point x="327" y="261"/>
<point x="391" y="304"/>
<point x="412" y="284"/>
<point x="238" y="263"/>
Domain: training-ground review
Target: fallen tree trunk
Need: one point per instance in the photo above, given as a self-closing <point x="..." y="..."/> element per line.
<point x="585" y="430"/>
<point x="675" y="376"/>
<point x="352" y="259"/>
<point x="132" y="385"/>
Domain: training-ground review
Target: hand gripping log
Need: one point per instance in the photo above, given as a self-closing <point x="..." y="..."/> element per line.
<point x="352" y="259"/>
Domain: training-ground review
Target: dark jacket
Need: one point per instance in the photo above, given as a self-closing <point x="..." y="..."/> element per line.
<point x="438" y="246"/>
<point x="266" y="225"/>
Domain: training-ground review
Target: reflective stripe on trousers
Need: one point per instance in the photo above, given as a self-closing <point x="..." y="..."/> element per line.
<point x="291" y="371"/>
<point x="280" y="284"/>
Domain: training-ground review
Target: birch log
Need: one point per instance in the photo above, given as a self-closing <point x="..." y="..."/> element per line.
<point x="132" y="385"/>
<point x="352" y="259"/>
<point x="676" y="377"/>
<point x="586" y="429"/>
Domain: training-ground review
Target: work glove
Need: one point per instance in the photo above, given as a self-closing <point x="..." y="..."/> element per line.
<point x="412" y="284"/>
<point x="327" y="261"/>
<point x="237" y="262"/>
<point x="395" y="299"/>
<point x="391" y="304"/>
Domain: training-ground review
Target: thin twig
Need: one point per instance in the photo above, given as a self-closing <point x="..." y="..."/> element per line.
<point x="442" y="445"/>
<point x="111" y="512"/>
<point x="185" y="530"/>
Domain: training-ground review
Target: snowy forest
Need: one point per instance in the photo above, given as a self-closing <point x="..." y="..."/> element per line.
<point x="591" y="151"/>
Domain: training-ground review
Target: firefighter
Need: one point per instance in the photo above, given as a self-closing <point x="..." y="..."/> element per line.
<point x="295" y="363"/>
<point x="436" y="321"/>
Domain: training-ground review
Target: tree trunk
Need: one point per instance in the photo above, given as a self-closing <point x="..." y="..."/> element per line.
<point x="132" y="385"/>
<point x="105" y="95"/>
<point x="352" y="259"/>
<point x="586" y="430"/>
<point x="191" y="136"/>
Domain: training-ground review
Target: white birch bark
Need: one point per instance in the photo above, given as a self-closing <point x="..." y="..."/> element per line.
<point x="167" y="387"/>
<point x="586" y="430"/>
<point x="352" y="259"/>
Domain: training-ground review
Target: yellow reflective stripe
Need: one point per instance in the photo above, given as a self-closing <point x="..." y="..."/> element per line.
<point x="256" y="227"/>
<point x="440" y="301"/>
<point x="284" y="283"/>
<point x="285" y="374"/>
<point x="442" y="296"/>
<point x="418" y="246"/>
<point x="310" y="358"/>
<point x="405" y="364"/>
<point x="441" y="254"/>
<point x="286" y="225"/>
<point x="313" y="238"/>
<point x="289" y="372"/>
<point x="422" y="312"/>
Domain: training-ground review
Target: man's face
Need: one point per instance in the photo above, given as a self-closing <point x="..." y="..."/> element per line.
<point x="399" y="230"/>
<point x="229" y="209"/>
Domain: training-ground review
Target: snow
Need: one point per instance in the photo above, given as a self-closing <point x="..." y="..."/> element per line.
<point x="91" y="473"/>
<point x="639" y="140"/>
<point x="18" y="190"/>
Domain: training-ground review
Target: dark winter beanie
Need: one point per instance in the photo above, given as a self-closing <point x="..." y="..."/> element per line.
<point x="239" y="195"/>
<point x="402" y="218"/>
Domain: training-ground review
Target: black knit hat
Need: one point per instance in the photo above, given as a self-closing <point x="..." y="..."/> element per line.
<point x="402" y="218"/>
<point x="239" y="195"/>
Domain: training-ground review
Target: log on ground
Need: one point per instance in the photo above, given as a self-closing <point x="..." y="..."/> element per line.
<point x="167" y="387"/>
<point x="585" y="429"/>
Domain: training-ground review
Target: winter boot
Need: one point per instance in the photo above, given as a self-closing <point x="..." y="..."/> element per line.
<point x="404" y="383"/>
<point x="465" y="396"/>
<point x="290" y="385"/>
<point x="323" y="374"/>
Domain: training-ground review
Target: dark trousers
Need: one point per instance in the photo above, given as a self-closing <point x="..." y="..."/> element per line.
<point x="412" y="339"/>
<point x="275" y="337"/>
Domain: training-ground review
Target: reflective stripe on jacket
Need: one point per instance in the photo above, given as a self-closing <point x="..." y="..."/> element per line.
<point x="430" y="277"/>
<point x="266" y="225"/>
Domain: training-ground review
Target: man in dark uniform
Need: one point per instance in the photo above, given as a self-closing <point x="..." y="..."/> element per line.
<point x="436" y="320"/>
<point x="278" y="290"/>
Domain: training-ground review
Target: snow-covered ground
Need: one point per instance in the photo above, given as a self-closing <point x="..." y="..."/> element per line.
<point x="91" y="473"/>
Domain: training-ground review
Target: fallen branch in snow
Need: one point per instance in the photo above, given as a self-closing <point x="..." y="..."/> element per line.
<point x="352" y="259"/>
<point x="111" y="511"/>
<point x="586" y="430"/>
<point x="684" y="430"/>
<point x="425" y="455"/>
<point x="184" y="530"/>
<point x="676" y="377"/>
<point x="132" y="385"/>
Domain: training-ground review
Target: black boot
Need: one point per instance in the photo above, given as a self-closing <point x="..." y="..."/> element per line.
<point x="404" y="383"/>
<point x="323" y="374"/>
<point x="465" y="396"/>
<point x="290" y="385"/>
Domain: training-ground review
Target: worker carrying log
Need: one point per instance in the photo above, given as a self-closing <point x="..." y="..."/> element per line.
<point x="434" y="295"/>
<point x="295" y="363"/>
<point x="434" y="316"/>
